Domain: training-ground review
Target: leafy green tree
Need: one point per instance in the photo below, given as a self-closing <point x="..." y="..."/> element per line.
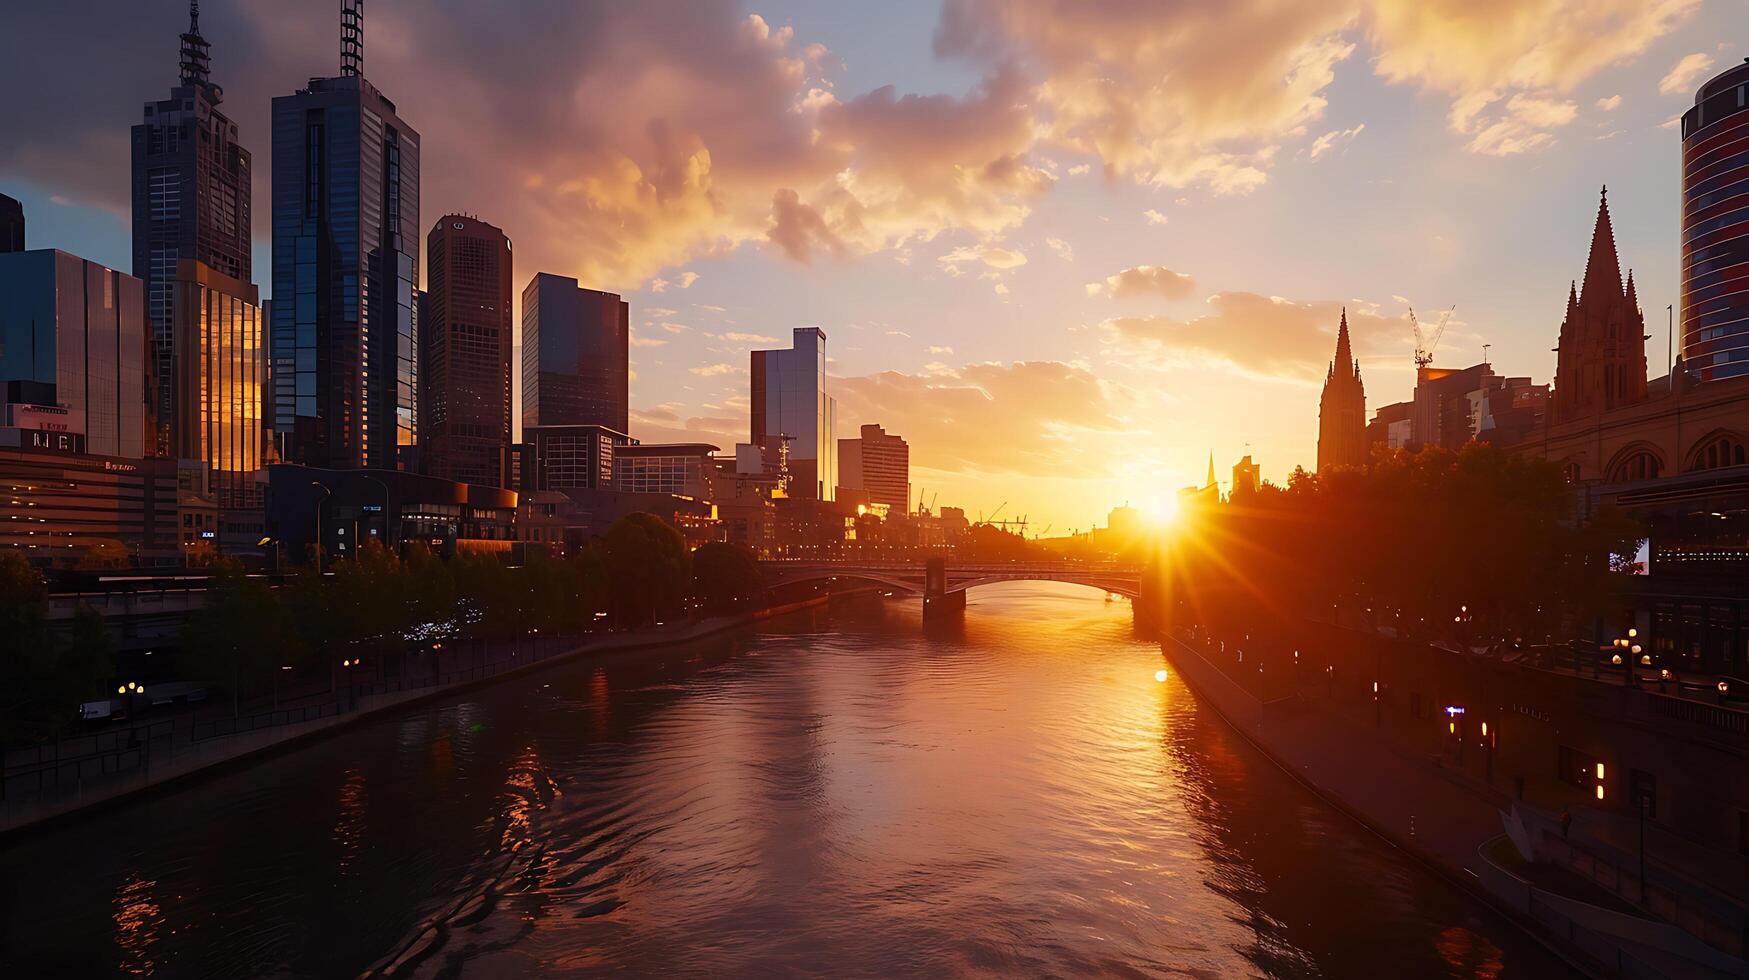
<point x="647" y="568"/>
<point x="725" y="577"/>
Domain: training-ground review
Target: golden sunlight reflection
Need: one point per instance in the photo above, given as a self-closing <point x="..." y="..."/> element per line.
<point x="137" y="921"/>
<point x="349" y="821"/>
<point x="1162" y="511"/>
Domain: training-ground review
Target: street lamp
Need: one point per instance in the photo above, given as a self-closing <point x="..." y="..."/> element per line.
<point x="326" y="493"/>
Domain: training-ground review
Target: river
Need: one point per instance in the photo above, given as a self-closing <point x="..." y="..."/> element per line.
<point x="840" y="793"/>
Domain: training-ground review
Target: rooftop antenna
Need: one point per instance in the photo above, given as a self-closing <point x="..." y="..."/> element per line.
<point x="196" y="61"/>
<point x="351" y="37"/>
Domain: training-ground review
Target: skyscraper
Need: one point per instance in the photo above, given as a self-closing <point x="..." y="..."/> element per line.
<point x="219" y="370"/>
<point x="1342" y="409"/>
<point x="790" y="408"/>
<point x="74" y="324"/>
<point x="464" y="352"/>
<point x="345" y="265"/>
<point x="1714" y="314"/>
<point x="1601" y="358"/>
<point x="575" y="344"/>
<point x="191" y="197"/>
<point x="11" y="225"/>
<point x="878" y="464"/>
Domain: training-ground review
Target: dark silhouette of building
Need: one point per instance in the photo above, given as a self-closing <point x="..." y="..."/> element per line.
<point x="191" y="200"/>
<point x="1714" y="313"/>
<point x="1247" y="476"/>
<point x="575" y="344"/>
<point x="345" y="268"/>
<point x="11" y="225"/>
<point x="1342" y="409"/>
<point x="464" y="352"/>
<point x="1601" y="357"/>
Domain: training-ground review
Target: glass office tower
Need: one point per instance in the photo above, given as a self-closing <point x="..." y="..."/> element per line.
<point x="82" y="328"/>
<point x="575" y="345"/>
<point x="191" y="200"/>
<point x="792" y="416"/>
<point x="343" y="344"/>
<point x="219" y="372"/>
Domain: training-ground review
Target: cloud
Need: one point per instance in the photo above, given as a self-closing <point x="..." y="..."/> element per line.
<point x="1155" y="217"/>
<point x="1324" y="143"/>
<point x="993" y="256"/>
<point x="1023" y="418"/>
<point x="940" y="350"/>
<point x="798" y="229"/>
<point x="1080" y="169"/>
<point x="1143" y="280"/>
<point x="1261" y="335"/>
<point x="1610" y="103"/>
<point x="1520" y="124"/>
<point x="713" y="370"/>
<point x="1062" y="248"/>
<point x="684" y="281"/>
<point x="639" y="340"/>
<point x="748" y="338"/>
<point x="1682" y="76"/>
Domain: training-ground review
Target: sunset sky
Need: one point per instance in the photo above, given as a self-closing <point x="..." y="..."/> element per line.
<point x="1066" y="248"/>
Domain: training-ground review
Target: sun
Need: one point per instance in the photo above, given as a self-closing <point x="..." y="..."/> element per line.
<point x="1161" y="511"/>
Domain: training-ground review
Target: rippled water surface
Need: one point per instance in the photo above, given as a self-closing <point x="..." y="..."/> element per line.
<point x="841" y="794"/>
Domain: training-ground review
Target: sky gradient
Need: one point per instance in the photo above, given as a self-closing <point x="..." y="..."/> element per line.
<point x="1066" y="248"/>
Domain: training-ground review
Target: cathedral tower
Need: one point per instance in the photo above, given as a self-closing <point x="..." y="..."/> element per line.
<point x="1601" y="361"/>
<point x="1342" y="409"/>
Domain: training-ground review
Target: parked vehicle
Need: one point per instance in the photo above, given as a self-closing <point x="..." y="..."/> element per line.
<point x="96" y="710"/>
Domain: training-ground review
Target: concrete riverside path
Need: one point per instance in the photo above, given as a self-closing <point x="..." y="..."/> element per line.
<point x="1434" y="815"/>
<point x="56" y="786"/>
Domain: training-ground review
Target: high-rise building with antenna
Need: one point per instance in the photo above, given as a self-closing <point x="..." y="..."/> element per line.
<point x="191" y="200"/>
<point x="344" y="335"/>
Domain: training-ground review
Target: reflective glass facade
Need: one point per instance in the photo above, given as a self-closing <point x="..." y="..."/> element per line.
<point x="575" y="344"/>
<point x="220" y="369"/>
<point x="1715" y="228"/>
<point x="191" y="200"/>
<point x="82" y="328"/>
<point x="793" y="417"/>
<point x="343" y="339"/>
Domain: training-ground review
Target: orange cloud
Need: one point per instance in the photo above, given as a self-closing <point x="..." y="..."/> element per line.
<point x="1143" y="280"/>
<point x="1263" y="335"/>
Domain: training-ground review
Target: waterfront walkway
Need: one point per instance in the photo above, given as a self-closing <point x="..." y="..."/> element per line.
<point x="1437" y="815"/>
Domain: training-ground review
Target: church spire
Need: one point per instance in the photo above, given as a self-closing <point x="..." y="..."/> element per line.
<point x="1211" y="470"/>
<point x="196" y="60"/>
<point x="1602" y="270"/>
<point x="1344" y="351"/>
<point x="1633" y="296"/>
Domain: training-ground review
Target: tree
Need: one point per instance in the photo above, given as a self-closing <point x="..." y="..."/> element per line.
<point x="26" y="651"/>
<point x="647" y="568"/>
<point x="85" y="667"/>
<point x="725" y="577"/>
<point x="242" y="636"/>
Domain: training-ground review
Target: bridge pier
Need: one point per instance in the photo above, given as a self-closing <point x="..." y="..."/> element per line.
<point x="937" y="600"/>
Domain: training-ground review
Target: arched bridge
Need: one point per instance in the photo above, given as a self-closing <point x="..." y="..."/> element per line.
<point x="955" y="579"/>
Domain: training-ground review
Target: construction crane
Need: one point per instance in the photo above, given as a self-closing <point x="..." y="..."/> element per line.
<point x="1424" y="347"/>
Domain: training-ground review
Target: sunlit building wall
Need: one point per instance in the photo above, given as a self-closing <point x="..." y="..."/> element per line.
<point x="218" y="372"/>
<point x="878" y="464"/>
<point x="793" y="418"/>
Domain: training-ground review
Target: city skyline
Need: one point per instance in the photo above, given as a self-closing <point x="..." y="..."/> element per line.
<point x="1124" y="329"/>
